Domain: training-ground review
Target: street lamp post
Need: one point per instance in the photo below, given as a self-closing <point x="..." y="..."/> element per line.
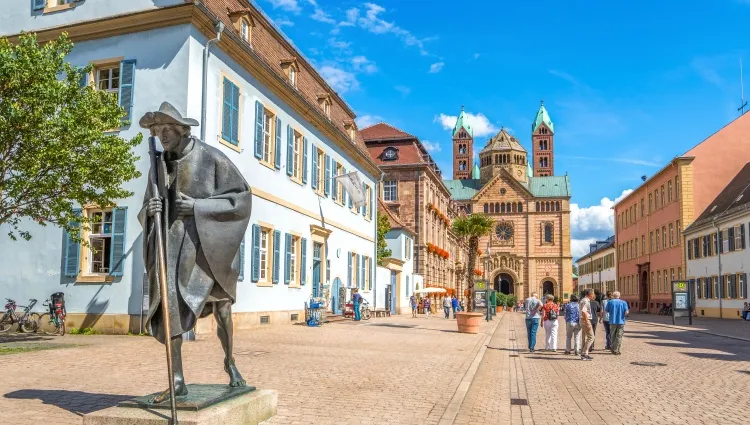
<point x="600" y="279"/>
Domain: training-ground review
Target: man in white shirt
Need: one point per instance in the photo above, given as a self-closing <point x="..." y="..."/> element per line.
<point x="533" y="306"/>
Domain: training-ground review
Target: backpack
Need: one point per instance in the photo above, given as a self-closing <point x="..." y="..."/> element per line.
<point x="551" y="315"/>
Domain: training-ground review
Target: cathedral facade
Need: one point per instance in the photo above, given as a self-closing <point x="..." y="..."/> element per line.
<point x="528" y="249"/>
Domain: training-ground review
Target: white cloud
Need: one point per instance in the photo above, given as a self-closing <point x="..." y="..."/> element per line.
<point x="479" y="123"/>
<point x="431" y="146"/>
<point x="283" y="22"/>
<point x="342" y="81"/>
<point x="372" y="22"/>
<point x="368" y="120"/>
<point x="403" y="90"/>
<point x="338" y="44"/>
<point x="596" y="222"/>
<point x="436" y="67"/>
<point x="288" y="5"/>
<point x="320" y="16"/>
<point x="362" y="64"/>
<point x="580" y="247"/>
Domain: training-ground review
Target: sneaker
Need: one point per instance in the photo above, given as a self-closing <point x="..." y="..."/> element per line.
<point x="586" y="358"/>
<point x="589" y="357"/>
<point x="578" y="353"/>
<point x="567" y="352"/>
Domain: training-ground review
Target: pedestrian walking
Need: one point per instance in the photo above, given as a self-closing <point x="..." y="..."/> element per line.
<point x="618" y="311"/>
<point x="586" y="323"/>
<point x="414" y="305"/>
<point x="572" y="326"/>
<point x="447" y="307"/>
<point x="454" y="305"/>
<point x="605" y="321"/>
<point x="533" y="307"/>
<point x="596" y="313"/>
<point x="427" y="305"/>
<point x="550" y="311"/>
<point x="356" y="300"/>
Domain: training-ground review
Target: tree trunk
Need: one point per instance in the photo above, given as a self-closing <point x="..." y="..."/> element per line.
<point x="473" y="246"/>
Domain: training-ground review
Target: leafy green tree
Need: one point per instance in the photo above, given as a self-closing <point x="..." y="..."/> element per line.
<point x="383" y="227"/>
<point x="575" y="269"/>
<point x="57" y="149"/>
<point x="472" y="227"/>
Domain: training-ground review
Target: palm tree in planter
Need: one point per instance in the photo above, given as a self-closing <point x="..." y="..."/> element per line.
<point x="471" y="228"/>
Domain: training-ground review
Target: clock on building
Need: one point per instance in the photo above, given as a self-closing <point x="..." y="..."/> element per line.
<point x="504" y="231"/>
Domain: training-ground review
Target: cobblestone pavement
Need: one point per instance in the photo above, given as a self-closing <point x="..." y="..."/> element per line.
<point x="727" y="327"/>
<point x="383" y="371"/>
<point x="664" y="376"/>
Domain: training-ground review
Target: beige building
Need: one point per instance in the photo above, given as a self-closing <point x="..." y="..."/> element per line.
<point x="598" y="269"/>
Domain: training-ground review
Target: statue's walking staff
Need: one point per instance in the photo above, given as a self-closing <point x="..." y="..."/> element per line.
<point x="161" y="273"/>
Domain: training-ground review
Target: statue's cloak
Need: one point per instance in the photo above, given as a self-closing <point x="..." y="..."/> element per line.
<point x="202" y="250"/>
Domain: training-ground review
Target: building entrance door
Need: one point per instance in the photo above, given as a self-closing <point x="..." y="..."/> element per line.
<point x="504" y="283"/>
<point x="316" y="269"/>
<point x="644" y="291"/>
<point x="548" y="288"/>
<point x="392" y="294"/>
<point x="336" y="296"/>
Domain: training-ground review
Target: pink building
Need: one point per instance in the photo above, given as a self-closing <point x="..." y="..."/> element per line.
<point x="650" y="220"/>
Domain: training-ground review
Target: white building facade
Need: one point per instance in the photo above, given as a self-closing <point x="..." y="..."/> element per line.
<point x="265" y="107"/>
<point x="598" y="269"/>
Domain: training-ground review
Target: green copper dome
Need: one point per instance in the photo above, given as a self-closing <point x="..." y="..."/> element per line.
<point x="462" y="121"/>
<point x="475" y="172"/>
<point x="542" y="116"/>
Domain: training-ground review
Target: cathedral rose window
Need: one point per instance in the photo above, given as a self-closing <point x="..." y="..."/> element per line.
<point x="504" y="231"/>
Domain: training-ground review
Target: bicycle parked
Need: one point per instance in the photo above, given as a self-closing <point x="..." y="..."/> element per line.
<point x="364" y="310"/>
<point x="27" y="322"/>
<point x="56" y="314"/>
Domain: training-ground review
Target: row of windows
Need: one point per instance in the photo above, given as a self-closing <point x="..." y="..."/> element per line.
<point x="268" y="150"/>
<point x="658" y="240"/>
<point x="503" y="207"/>
<point x="462" y="149"/>
<point x="502" y="158"/>
<point x="597" y="264"/>
<point x="544" y="162"/>
<point x="543" y="145"/>
<point x="602" y="287"/>
<point x="729" y="286"/>
<point x="726" y="240"/>
<point x="657" y="199"/>
<point x="660" y="283"/>
<point x="265" y="264"/>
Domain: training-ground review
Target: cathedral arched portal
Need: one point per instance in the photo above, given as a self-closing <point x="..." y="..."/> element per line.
<point x="505" y="282"/>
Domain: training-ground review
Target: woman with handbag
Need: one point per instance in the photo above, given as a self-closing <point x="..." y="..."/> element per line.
<point x="550" y="311"/>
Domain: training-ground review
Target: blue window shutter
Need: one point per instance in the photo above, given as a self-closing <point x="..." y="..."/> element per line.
<point x="731" y="239"/>
<point x="72" y="251"/>
<point x="327" y="174"/>
<point x="334" y="183"/>
<point x="742" y="235"/>
<point x="241" y="276"/>
<point x="369" y="273"/>
<point x="357" y="271"/>
<point x="287" y="263"/>
<point x="349" y="270"/>
<point x="127" y="85"/>
<point x="303" y="264"/>
<point x="304" y="161"/>
<point x="314" y="180"/>
<point x="371" y="199"/>
<point x="258" y="129"/>
<point x="345" y="197"/>
<point x="84" y="81"/>
<point x="226" y="111"/>
<point x="351" y="203"/>
<point x="277" y="160"/>
<point x="289" y="150"/>
<point x="40" y="4"/>
<point x="407" y="285"/>
<point x="255" y="263"/>
<point x="235" y="140"/>
<point x="721" y="242"/>
<point x="362" y="209"/>
<point x="117" y="253"/>
<point x="276" y="255"/>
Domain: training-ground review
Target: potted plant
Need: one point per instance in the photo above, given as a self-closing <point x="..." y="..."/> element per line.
<point x="511" y="301"/>
<point x="501" y="299"/>
<point x="471" y="227"/>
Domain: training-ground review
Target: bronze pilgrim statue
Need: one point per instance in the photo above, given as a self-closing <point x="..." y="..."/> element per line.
<point x="203" y="208"/>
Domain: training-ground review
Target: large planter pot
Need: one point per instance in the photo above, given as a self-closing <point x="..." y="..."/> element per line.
<point x="499" y="308"/>
<point x="469" y="322"/>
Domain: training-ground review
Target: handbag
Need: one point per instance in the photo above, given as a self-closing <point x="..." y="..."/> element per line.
<point x="551" y="315"/>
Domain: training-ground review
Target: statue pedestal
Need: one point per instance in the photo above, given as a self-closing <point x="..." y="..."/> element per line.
<point x="204" y="405"/>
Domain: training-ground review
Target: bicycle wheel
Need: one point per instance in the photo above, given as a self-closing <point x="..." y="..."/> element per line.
<point x="30" y="323"/>
<point x="61" y="327"/>
<point x="45" y="324"/>
<point x="6" y="323"/>
<point x="366" y="314"/>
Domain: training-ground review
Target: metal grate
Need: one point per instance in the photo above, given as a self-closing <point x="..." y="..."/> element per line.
<point x="295" y="317"/>
<point x="513" y="355"/>
<point x="264" y="320"/>
<point x="649" y="364"/>
<point x="519" y="402"/>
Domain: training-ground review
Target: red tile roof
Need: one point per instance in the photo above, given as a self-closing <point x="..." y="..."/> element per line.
<point x="383" y="131"/>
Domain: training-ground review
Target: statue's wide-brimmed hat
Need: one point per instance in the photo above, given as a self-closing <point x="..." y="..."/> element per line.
<point x="167" y="114"/>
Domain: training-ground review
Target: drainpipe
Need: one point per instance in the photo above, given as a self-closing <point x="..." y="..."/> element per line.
<point x="219" y="29"/>
<point x="378" y="185"/>
<point x="721" y="287"/>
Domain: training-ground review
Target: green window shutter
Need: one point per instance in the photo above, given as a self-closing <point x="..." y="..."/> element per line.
<point x="117" y="253"/>
<point x="241" y="276"/>
<point x="327" y="174"/>
<point x="258" y="129"/>
<point x="288" y="259"/>
<point x="334" y="184"/>
<point x="277" y="160"/>
<point x="731" y="239"/>
<point x="304" y="161"/>
<point x="349" y="270"/>
<point x="303" y="264"/>
<point x="72" y="251"/>
<point x="276" y="255"/>
<point x="314" y="181"/>
<point x="255" y="263"/>
<point x="289" y="150"/>
<point x="127" y="87"/>
<point x="40" y="4"/>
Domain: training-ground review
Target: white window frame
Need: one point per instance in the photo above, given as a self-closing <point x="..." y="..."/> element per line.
<point x="101" y="235"/>
<point x="269" y="142"/>
<point x="245" y="29"/>
<point x="265" y="244"/>
<point x="297" y="155"/>
<point x="293" y="263"/>
<point x="737" y="238"/>
<point x="390" y="190"/>
<point x="111" y="69"/>
<point x="293" y="76"/>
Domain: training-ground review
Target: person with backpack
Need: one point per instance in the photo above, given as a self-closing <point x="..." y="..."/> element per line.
<point x="550" y="311"/>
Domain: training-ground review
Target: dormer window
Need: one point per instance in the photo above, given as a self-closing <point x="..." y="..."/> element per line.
<point x="291" y="69"/>
<point x="243" y="22"/>
<point x="324" y="101"/>
<point x="350" y="129"/>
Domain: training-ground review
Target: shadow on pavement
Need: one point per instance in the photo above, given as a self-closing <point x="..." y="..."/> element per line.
<point x="21" y="337"/>
<point x="77" y="402"/>
<point x="728" y="349"/>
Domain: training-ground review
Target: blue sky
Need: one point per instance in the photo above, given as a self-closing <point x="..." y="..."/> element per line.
<point x="629" y="85"/>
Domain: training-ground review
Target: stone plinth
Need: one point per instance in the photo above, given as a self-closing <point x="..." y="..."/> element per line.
<point x="248" y="408"/>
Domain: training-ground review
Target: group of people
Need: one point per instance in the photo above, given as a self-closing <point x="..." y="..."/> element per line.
<point x="450" y="303"/>
<point x="581" y="320"/>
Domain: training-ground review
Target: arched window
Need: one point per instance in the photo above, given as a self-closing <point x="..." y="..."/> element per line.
<point x="507" y="207"/>
<point x="502" y="208"/>
<point x="557" y="206"/>
<point x="548" y="233"/>
<point x="497" y="207"/>
<point x="492" y="208"/>
<point x="520" y="207"/>
<point x="514" y="206"/>
<point x="537" y="206"/>
<point x="486" y="208"/>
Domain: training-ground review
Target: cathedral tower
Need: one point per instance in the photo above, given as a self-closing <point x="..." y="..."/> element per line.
<point x="463" y="148"/>
<point x="543" y="143"/>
